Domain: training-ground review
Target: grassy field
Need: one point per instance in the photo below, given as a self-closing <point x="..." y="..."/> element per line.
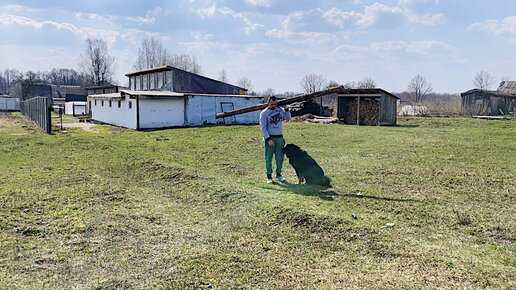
<point x="434" y="201"/>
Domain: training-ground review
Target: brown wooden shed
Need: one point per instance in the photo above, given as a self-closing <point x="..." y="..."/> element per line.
<point x="374" y="107"/>
<point x="490" y="103"/>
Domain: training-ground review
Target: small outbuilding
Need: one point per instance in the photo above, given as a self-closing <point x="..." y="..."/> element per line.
<point x="9" y="104"/>
<point x="374" y="107"/>
<point x="75" y="108"/>
<point x="490" y="103"/>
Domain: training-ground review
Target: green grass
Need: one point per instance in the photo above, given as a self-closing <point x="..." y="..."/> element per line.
<point x="126" y="209"/>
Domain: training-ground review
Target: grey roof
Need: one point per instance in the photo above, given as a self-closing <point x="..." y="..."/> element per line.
<point x="358" y="92"/>
<point x="169" y="67"/>
<point x="490" y="93"/>
<point x="160" y="94"/>
<point x="507" y="87"/>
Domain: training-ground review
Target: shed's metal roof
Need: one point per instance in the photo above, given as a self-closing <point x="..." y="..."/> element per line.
<point x="507" y="87"/>
<point x="364" y="92"/>
<point x="492" y="93"/>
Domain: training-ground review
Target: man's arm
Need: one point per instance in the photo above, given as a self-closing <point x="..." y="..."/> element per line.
<point x="263" y="126"/>
<point x="286" y="114"/>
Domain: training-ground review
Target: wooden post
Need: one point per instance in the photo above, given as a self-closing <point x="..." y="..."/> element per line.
<point x="137" y="112"/>
<point x="320" y="109"/>
<point x="358" y="111"/>
<point x="284" y="102"/>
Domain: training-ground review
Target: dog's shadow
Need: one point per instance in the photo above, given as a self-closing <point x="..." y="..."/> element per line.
<point x="323" y="192"/>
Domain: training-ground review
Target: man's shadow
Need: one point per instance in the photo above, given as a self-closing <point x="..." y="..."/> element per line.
<point x="326" y="193"/>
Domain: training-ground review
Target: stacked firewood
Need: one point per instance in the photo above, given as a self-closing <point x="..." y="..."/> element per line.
<point x="369" y="112"/>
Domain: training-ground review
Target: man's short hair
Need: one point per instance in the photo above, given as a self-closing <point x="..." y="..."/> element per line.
<point x="273" y="98"/>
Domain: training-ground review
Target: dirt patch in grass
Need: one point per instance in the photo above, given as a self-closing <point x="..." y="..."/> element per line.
<point x="322" y="227"/>
<point x="169" y="174"/>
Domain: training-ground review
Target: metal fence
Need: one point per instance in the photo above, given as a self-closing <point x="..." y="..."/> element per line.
<point x="9" y="104"/>
<point x="38" y="110"/>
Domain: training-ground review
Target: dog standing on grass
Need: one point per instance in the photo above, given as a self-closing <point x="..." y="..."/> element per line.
<point x="305" y="166"/>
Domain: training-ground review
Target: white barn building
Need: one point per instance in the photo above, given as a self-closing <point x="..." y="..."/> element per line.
<point x="159" y="109"/>
<point x="165" y="97"/>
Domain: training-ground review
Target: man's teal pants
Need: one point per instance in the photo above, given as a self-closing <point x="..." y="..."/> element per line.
<point x="279" y="143"/>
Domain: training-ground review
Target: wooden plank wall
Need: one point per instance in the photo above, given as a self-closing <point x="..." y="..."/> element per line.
<point x="388" y="106"/>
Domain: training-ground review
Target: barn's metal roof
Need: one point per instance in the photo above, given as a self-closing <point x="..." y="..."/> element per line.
<point x="168" y="67"/>
<point x="153" y="69"/>
<point x="161" y="94"/>
<point x="492" y="93"/>
<point x="507" y="87"/>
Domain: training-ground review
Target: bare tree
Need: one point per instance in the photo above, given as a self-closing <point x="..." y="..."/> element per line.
<point x="483" y="80"/>
<point x="245" y="83"/>
<point x="332" y="84"/>
<point x="223" y="76"/>
<point x="97" y="63"/>
<point x="350" y="85"/>
<point x="10" y="77"/>
<point x="268" y="93"/>
<point x="367" y="83"/>
<point x="151" y="54"/>
<point x="505" y="78"/>
<point x="64" y="76"/>
<point x="419" y="88"/>
<point x="185" y="62"/>
<point x="312" y="83"/>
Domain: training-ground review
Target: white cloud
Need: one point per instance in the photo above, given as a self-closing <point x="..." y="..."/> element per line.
<point x="150" y="17"/>
<point x="504" y="27"/>
<point x="142" y="20"/>
<point x="206" y="12"/>
<point x="307" y="38"/>
<point x="17" y="8"/>
<point x="250" y="26"/>
<point x="260" y="3"/>
<point x="340" y="18"/>
<point x="431" y="49"/>
<point x="320" y="22"/>
<point x="381" y="16"/>
<point x="110" y="36"/>
<point x="203" y="46"/>
<point x="427" y="47"/>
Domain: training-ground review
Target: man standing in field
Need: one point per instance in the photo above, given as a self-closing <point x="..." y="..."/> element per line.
<point x="271" y="124"/>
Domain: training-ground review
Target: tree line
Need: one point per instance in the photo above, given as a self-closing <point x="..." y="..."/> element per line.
<point x="97" y="67"/>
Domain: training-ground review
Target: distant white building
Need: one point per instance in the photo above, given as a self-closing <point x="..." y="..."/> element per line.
<point x="409" y="110"/>
<point x="75" y="108"/>
<point x="9" y="104"/>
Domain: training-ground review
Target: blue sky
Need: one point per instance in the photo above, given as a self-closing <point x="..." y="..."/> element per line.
<point x="275" y="43"/>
